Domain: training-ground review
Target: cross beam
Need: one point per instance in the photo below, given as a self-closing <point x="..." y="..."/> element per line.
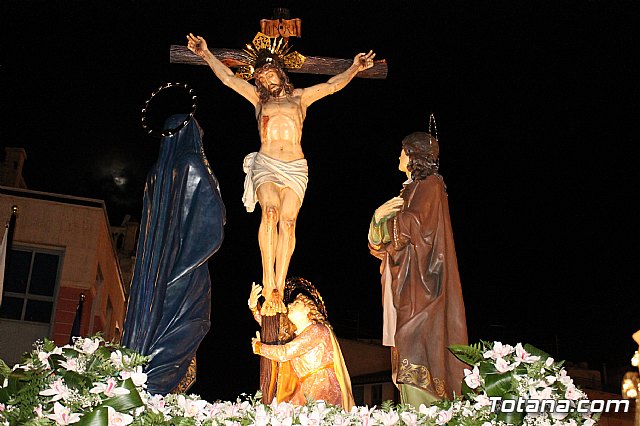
<point x="312" y="64"/>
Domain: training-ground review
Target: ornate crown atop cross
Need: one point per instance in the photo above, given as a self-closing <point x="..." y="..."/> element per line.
<point x="280" y="25"/>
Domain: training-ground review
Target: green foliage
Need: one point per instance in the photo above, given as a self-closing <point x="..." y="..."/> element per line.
<point x="499" y="384"/>
<point x="124" y="403"/>
<point x="79" y="375"/>
<point x="469" y="354"/>
<point x="5" y="370"/>
<point x="98" y="417"/>
<point x="537" y="352"/>
<point x="387" y="405"/>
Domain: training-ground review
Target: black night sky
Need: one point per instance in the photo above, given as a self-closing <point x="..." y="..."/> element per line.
<point x="535" y="102"/>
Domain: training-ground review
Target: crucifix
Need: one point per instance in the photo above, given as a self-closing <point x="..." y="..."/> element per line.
<point x="279" y="26"/>
<point x="276" y="175"/>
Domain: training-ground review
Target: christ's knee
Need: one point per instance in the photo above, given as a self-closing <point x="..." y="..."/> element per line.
<point x="288" y="226"/>
<point x="270" y="215"/>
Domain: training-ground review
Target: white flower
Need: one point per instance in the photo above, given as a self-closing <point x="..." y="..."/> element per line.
<point x="410" y="419"/>
<point x="192" y="407"/>
<point x="37" y="410"/>
<point x="89" y="346"/>
<point x="157" y="404"/>
<point x="387" y="419"/>
<point x="116" y="359"/>
<point x="589" y="422"/>
<point x="118" y="419"/>
<point x="44" y="356"/>
<point x="311" y="419"/>
<point x="109" y="389"/>
<point x="524" y="356"/>
<point x="481" y="400"/>
<point x="499" y="351"/>
<point x="564" y="378"/>
<point x="364" y="413"/>
<point x="288" y="421"/>
<point x="548" y="362"/>
<point x="472" y="378"/>
<point x="430" y="412"/>
<point x="573" y="393"/>
<point x="261" y="416"/>
<point x="545" y="393"/>
<point x="503" y="366"/>
<point x="282" y="410"/>
<point x="62" y="415"/>
<point x="57" y="389"/>
<point x="137" y="377"/>
<point x="71" y="364"/>
<point x="444" y="416"/>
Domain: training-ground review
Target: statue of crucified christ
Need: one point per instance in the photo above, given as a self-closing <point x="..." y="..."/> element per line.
<point x="277" y="174"/>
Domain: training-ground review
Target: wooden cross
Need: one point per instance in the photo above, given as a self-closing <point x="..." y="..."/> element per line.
<point x="284" y="27"/>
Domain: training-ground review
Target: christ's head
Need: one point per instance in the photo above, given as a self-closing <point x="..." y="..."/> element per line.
<point x="271" y="82"/>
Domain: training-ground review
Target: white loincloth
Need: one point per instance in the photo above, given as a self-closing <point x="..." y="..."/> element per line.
<point x="261" y="168"/>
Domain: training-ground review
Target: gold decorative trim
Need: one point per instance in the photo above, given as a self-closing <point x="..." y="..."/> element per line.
<point x="264" y="49"/>
<point x="420" y="376"/>
<point x="189" y="378"/>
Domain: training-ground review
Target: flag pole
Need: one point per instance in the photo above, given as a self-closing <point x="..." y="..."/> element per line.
<point x="5" y="247"/>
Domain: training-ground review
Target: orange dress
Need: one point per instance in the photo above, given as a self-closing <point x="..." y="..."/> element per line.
<point x="315" y="358"/>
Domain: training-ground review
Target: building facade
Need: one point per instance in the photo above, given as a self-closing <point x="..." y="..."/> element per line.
<point x="61" y="250"/>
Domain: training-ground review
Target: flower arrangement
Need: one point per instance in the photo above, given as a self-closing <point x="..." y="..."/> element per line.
<point x="98" y="383"/>
<point x="526" y="378"/>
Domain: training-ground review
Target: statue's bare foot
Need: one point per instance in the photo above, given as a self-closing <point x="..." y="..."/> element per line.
<point x="273" y="304"/>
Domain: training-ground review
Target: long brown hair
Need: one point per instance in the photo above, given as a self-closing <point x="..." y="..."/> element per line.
<point x="287" y="328"/>
<point x="263" y="92"/>
<point x="422" y="150"/>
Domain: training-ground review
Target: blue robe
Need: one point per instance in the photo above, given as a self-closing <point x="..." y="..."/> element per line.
<point x="181" y="227"/>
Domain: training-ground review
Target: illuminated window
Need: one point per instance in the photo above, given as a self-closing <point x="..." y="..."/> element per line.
<point x="31" y="278"/>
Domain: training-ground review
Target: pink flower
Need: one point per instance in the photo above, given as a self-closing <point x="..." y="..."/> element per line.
<point x="57" y="389"/>
<point x="137" y="376"/>
<point x="37" y="410"/>
<point x="503" y="366"/>
<point x="524" y="356"/>
<point x="157" y="405"/>
<point x="430" y="411"/>
<point x="89" y="346"/>
<point x="192" y="408"/>
<point x="364" y="413"/>
<point x="444" y="416"/>
<point x="499" y="351"/>
<point x="544" y="393"/>
<point x="70" y="364"/>
<point x="118" y="419"/>
<point x="482" y="400"/>
<point x="110" y="389"/>
<point x="472" y="378"/>
<point x="387" y="419"/>
<point x="564" y="378"/>
<point x="116" y="359"/>
<point x="410" y="419"/>
<point x="62" y="415"/>
<point x="288" y="421"/>
<point x="310" y="419"/>
<point x="572" y="393"/>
